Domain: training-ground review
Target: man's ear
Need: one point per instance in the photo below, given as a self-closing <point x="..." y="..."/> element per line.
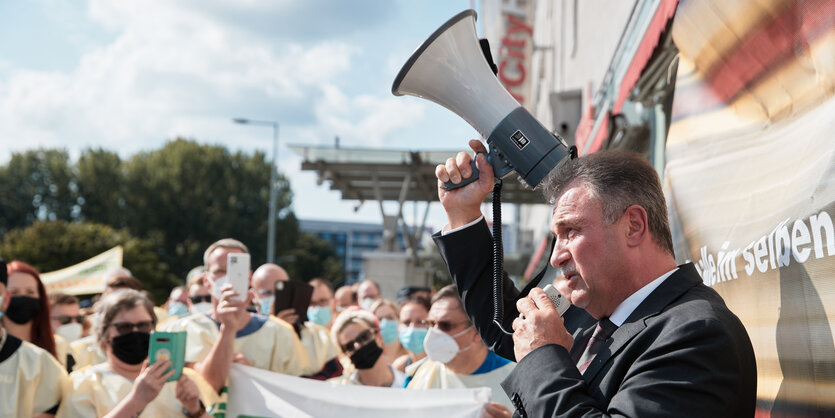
<point x="635" y="224"/>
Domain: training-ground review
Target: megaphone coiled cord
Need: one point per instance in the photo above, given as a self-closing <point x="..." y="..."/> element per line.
<point x="498" y="257"/>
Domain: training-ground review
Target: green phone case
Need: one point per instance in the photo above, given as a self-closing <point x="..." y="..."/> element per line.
<point x="170" y="346"/>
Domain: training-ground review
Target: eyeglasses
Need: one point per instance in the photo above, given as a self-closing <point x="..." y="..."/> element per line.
<point x="127" y="327"/>
<point x="362" y="339"/>
<point x="66" y="319"/>
<point x="200" y="298"/>
<point x="445" y="326"/>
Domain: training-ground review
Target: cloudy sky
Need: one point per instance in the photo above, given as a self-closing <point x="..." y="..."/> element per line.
<point x="130" y="75"/>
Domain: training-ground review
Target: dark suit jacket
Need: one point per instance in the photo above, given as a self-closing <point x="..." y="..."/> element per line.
<point x="682" y="352"/>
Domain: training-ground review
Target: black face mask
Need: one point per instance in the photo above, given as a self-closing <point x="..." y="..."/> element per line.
<point x="22" y="309"/>
<point x="366" y="356"/>
<point x="131" y="348"/>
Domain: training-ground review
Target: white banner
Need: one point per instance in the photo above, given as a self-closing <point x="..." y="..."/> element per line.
<point x="85" y="277"/>
<point x="260" y="393"/>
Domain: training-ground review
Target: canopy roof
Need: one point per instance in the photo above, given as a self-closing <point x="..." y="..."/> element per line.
<point x="390" y="175"/>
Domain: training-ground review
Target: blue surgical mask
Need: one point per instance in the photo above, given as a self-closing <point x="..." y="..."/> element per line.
<point x="320" y="315"/>
<point x="265" y="305"/>
<point x="412" y="339"/>
<point x="177" y="308"/>
<point x="388" y="329"/>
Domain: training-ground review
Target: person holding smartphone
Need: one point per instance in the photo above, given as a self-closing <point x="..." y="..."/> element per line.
<point x="125" y="385"/>
<point x="317" y="341"/>
<point x="229" y="333"/>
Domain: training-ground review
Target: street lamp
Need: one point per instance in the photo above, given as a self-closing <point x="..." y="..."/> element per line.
<point x="273" y="191"/>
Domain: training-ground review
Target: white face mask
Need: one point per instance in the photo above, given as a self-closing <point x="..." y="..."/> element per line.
<point x="367" y="303"/>
<point x="202" y="308"/>
<point x="441" y="346"/>
<point x="70" y="332"/>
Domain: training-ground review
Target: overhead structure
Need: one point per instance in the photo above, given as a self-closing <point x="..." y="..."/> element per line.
<point x="367" y="174"/>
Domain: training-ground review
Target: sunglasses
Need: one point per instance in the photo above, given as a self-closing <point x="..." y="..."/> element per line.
<point x="66" y="319"/>
<point x="200" y="298"/>
<point x="362" y="339"/>
<point x="127" y="327"/>
<point x="445" y="326"/>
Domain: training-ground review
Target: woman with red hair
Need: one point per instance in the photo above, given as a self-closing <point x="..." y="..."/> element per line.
<point x="27" y="316"/>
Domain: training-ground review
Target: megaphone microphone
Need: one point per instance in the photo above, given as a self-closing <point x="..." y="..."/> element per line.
<point x="450" y="69"/>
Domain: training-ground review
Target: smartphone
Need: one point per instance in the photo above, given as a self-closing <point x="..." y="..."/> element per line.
<point x="559" y="302"/>
<point x="237" y="273"/>
<point x="294" y="295"/>
<point x="169" y="346"/>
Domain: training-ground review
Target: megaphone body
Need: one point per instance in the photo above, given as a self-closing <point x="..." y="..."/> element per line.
<point x="450" y="70"/>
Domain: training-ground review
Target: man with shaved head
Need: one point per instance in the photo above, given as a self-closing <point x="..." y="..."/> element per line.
<point x="263" y="283"/>
<point x="316" y="339"/>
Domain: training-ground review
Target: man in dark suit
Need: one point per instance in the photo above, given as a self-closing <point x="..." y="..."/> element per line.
<point x="660" y="342"/>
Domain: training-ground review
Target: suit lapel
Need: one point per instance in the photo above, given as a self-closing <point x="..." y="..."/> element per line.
<point x="672" y="288"/>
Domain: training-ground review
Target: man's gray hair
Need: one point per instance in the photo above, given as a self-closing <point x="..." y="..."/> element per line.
<point x="618" y="179"/>
<point x="223" y="243"/>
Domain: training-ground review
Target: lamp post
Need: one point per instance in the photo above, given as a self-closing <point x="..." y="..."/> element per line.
<point x="273" y="191"/>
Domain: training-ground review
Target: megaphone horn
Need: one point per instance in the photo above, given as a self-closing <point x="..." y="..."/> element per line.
<point x="449" y="69"/>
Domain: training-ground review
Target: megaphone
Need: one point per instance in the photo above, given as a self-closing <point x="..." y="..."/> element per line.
<point x="450" y="69"/>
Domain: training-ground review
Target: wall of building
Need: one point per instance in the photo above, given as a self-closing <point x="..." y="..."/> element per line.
<point x="571" y="48"/>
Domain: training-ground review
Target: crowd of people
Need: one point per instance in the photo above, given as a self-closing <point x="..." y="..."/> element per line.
<point x="77" y="358"/>
<point x="643" y="336"/>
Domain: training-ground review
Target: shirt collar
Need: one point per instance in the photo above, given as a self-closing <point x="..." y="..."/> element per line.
<point x="629" y="304"/>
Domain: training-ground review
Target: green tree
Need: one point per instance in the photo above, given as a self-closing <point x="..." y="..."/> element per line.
<point x="37" y="185"/>
<point x="53" y="245"/>
<point x="100" y="179"/>
<point x="310" y="258"/>
<point x="192" y="195"/>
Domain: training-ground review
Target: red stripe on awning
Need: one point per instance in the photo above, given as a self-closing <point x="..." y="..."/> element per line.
<point x="650" y="40"/>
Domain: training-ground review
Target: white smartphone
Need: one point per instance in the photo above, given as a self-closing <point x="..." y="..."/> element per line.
<point x="237" y="272"/>
<point x="559" y="302"/>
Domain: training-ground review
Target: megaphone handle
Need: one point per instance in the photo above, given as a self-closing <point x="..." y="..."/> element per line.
<point x="464" y="181"/>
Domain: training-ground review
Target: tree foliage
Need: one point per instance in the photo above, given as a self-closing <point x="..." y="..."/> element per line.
<point x="312" y="258"/>
<point x="175" y="201"/>
<point x="53" y="245"/>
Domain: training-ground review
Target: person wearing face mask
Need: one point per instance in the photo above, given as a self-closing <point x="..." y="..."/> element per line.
<point x="317" y="341"/>
<point x="32" y="381"/>
<point x="125" y="385"/>
<point x="322" y="309"/>
<point x="228" y="334"/>
<point x="27" y="316"/>
<point x="368" y="292"/>
<point x="456" y="356"/>
<point x="66" y="319"/>
<point x="388" y="314"/>
<point x="87" y="350"/>
<point x="412" y="331"/>
<point x="358" y="334"/>
<point x="199" y="298"/>
<point x="177" y="303"/>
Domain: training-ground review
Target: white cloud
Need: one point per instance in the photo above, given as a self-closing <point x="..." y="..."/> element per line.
<point x="166" y="67"/>
<point x="366" y="119"/>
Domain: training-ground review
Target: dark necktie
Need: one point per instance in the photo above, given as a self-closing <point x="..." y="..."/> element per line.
<point x="604" y="330"/>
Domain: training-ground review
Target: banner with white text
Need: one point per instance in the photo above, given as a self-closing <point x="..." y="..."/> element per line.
<point x="750" y="182"/>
